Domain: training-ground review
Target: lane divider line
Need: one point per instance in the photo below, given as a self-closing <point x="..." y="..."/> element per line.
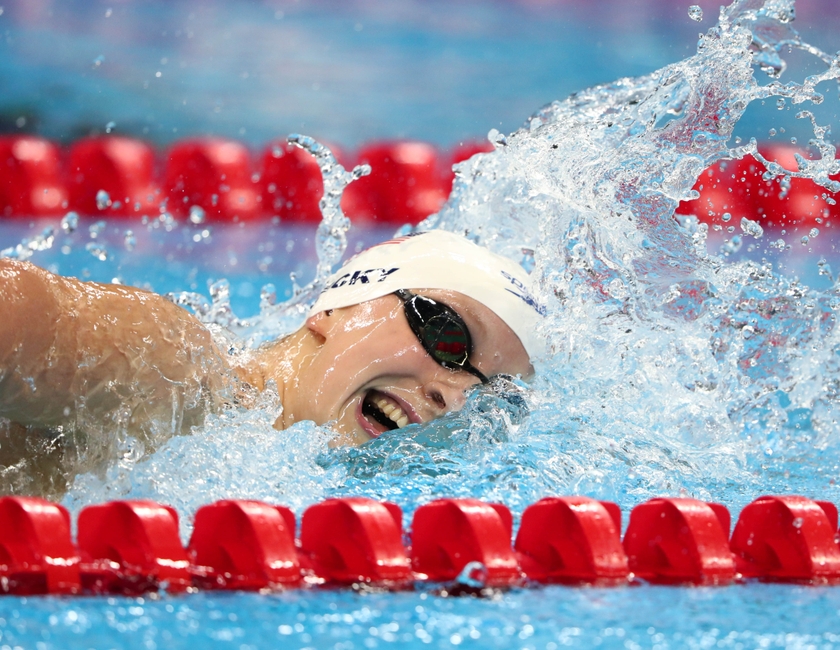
<point x="133" y="547"/>
<point x="219" y="180"/>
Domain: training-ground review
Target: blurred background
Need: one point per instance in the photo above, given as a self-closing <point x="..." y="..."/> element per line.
<point x="158" y="123"/>
<point x="347" y="71"/>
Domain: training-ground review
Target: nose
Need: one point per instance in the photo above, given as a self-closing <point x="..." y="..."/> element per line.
<point x="447" y="392"/>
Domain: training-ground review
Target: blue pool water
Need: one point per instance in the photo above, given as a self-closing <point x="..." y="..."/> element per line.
<point x="650" y="390"/>
<point x="770" y="616"/>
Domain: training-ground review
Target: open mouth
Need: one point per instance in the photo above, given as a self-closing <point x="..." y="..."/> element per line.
<point x="383" y="413"/>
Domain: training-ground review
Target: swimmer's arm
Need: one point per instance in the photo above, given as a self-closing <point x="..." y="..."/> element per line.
<point x="67" y="345"/>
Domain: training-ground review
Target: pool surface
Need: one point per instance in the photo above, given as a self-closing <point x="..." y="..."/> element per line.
<point x="674" y="372"/>
<point x="768" y="616"/>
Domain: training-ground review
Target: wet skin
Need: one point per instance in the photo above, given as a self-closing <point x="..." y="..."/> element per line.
<point x="102" y="358"/>
<point x="350" y="366"/>
<point x="83" y="363"/>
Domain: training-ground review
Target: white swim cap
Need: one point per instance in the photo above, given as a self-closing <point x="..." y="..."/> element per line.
<point x="439" y="260"/>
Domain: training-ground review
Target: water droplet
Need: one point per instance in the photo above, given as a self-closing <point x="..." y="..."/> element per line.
<point x="70" y="222"/>
<point x="197" y="214"/>
<point x="733" y="245"/>
<point x="97" y="250"/>
<point x="695" y="13"/>
<point x="98" y="61"/>
<point x="814" y="232"/>
<point x="103" y="200"/>
<point x="824" y="268"/>
<point x="797" y="522"/>
<point x="95" y="229"/>
<point x="268" y="295"/>
<point x="474" y="574"/>
<point x="110" y="126"/>
<point x="805" y="240"/>
<point x="265" y="263"/>
<point x="497" y="138"/>
<point x="167" y="221"/>
<point x="772" y="132"/>
<point x="752" y="228"/>
<point x="780" y="103"/>
<point x="725" y="217"/>
<point x="130" y="240"/>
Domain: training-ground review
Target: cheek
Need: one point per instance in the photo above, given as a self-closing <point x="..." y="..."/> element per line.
<point x="355" y="357"/>
<point x="367" y="351"/>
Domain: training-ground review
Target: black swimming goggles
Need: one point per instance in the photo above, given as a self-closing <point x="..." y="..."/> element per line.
<point x="441" y="331"/>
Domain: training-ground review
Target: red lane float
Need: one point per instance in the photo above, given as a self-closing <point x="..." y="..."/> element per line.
<point x="112" y="176"/>
<point x="129" y="547"/>
<point x="572" y="540"/>
<point x="409" y="181"/>
<point x="244" y="545"/>
<point x="37" y="555"/>
<point x="449" y="534"/>
<point x="355" y="540"/>
<point x="803" y="202"/>
<point x="291" y="183"/>
<point x="404" y="185"/>
<point x="680" y="541"/>
<point x="214" y="175"/>
<point x="31" y="182"/>
<point x="788" y="538"/>
<point x="729" y="187"/>
<point x="737" y="188"/>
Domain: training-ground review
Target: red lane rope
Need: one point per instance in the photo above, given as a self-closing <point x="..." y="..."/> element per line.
<point x="115" y="176"/>
<point x="131" y="547"/>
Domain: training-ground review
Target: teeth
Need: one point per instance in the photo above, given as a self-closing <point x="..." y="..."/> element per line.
<point x="392" y="410"/>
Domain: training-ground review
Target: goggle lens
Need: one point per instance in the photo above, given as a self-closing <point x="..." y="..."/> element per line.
<point x="441" y="331"/>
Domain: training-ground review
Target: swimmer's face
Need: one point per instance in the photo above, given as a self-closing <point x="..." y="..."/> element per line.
<point x="370" y="373"/>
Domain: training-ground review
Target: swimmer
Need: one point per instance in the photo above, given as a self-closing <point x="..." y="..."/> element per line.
<point x="399" y="334"/>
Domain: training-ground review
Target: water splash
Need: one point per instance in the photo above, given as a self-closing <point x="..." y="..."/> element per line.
<point x="331" y="237"/>
<point x="671" y="371"/>
<point x="236" y="454"/>
<point x="30" y="245"/>
<point x="277" y="319"/>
